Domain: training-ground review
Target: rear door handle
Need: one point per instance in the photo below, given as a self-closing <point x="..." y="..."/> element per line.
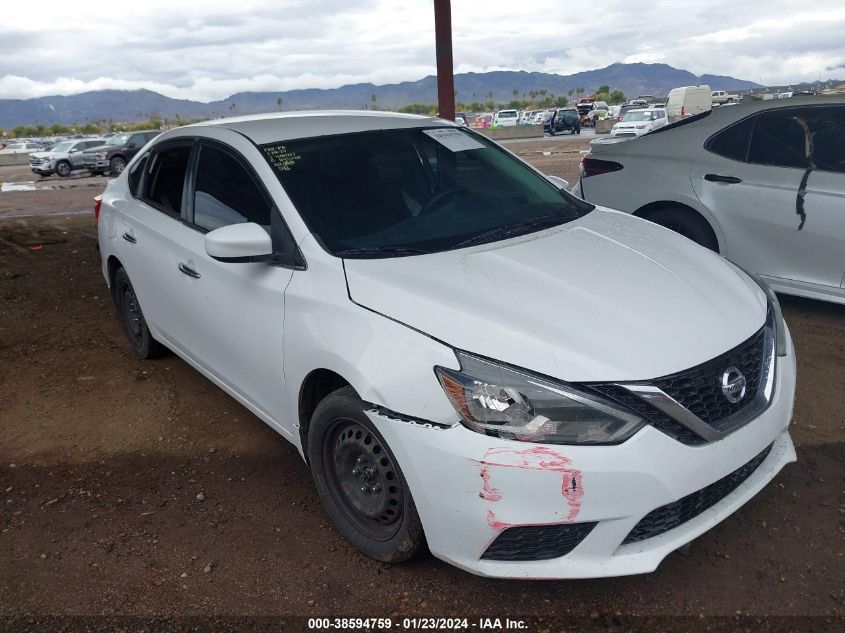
<point x="130" y="238"/>
<point x="717" y="178"/>
<point x="187" y="270"/>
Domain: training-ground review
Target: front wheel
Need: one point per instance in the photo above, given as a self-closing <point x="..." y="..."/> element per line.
<point x="359" y="481"/>
<point x="116" y="165"/>
<point x="63" y="169"/>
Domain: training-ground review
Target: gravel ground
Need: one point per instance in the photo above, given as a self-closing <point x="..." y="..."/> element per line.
<point x="140" y="490"/>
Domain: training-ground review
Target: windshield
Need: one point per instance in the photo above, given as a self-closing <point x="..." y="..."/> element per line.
<point x="63" y="146"/>
<point x="638" y="115"/>
<point x="507" y="114"/>
<point x="14" y="146"/>
<point x="414" y="191"/>
<point x="118" y="139"/>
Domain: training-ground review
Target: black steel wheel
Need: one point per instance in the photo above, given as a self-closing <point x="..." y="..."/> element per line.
<point x="134" y="325"/>
<point x="363" y="479"/>
<point x="360" y="482"/>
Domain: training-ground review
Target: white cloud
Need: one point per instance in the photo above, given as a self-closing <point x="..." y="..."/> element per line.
<point x="209" y="49"/>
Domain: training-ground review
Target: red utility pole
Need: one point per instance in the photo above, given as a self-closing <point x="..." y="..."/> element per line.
<point x="445" y="73"/>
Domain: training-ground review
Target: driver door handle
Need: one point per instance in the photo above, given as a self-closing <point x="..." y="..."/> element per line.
<point x="130" y="238"/>
<point x="187" y="270"/>
<point x="731" y="180"/>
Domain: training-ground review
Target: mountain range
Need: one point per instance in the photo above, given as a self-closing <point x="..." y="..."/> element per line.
<point x="500" y="86"/>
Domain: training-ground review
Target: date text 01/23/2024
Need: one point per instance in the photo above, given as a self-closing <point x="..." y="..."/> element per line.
<point x="417" y="624"/>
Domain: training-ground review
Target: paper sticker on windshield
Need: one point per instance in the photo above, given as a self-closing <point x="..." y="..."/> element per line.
<point x="455" y="140"/>
<point x="281" y="157"/>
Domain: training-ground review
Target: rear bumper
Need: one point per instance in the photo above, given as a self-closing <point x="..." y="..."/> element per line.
<point x="469" y="488"/>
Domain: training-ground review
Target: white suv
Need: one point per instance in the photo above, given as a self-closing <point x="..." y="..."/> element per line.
<point x="436" y="327"/>
<point x="639" y="122"/>
<point x="506" y="118"/>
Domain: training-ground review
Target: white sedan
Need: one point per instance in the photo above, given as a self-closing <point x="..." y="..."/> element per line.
<point x="762" y="183"/>
<point x="436" y="327"/>
<point x="639" y="122"/>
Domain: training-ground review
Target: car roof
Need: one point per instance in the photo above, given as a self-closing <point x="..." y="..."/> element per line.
<point x="280" y="126"/>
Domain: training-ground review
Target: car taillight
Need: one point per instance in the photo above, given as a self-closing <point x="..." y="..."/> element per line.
<point x="98" y="201"/>
<point x="596" y="167"/>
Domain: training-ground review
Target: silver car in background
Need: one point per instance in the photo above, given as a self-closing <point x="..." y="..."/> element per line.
<point x="63" y="159"/>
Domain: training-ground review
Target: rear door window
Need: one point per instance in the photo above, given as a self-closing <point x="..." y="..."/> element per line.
<point x="166" y="178"/>
<point x="732" y="142"/>
<point x="778" y="140"/>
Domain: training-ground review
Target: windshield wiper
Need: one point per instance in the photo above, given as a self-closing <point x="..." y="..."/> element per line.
<point x="513" y="230"/>
<point x="365" y="252"/>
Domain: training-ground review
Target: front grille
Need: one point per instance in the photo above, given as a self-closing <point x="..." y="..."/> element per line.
<point x="679" y="512"/>
<point x="699" y="389"/>
<point x="537" y="542"/>
<point x="655" y="416"/>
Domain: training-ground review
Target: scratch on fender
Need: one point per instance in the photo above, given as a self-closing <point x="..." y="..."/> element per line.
<point x="537" y="458"/>
<point x="488" y="492"/>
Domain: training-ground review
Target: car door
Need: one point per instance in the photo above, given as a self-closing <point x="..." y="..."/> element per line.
<point x="779" y="216"/>
<point x="151" y="225"/>
<point x="234" y="326"/>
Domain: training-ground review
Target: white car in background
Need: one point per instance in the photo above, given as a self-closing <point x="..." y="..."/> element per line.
<point x="639" y="122"/>
<point x="440" y="339"/>
<point x="21" y="148"/>
<point x="506" y="118"/>
<point x="761" y="182"/>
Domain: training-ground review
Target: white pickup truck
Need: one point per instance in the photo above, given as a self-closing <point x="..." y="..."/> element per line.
<point x="718" y="97"/>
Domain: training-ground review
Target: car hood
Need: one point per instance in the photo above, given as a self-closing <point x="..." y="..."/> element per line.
<point x="43" y="155"/>
<point x="604" y="298"/>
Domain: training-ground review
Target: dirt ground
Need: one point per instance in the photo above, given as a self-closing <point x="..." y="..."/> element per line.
<point x="133" y="488"/>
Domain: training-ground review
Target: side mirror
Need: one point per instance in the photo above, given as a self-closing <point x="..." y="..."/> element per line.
<point x="131" y="146"/>
<point x="559" y="182"/>
<point x="239" y="243"/>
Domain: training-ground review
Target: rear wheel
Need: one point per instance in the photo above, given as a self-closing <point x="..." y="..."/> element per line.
<point x="689" y="224"/>
<point x="134" y="325"/>
<point x="359" y="481"/>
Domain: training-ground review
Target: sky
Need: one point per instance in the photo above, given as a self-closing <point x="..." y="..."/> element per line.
<point x="209" y="49"/>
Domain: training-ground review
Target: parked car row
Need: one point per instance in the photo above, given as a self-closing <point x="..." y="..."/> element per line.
<point x="96" y="155"/>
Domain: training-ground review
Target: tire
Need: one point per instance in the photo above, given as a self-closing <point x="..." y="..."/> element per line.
<point x="359" y="481"/>
<point x="144" y="346"/>
<point x="689" y="224"/>
<point x="63" y="168"/>
<point x="117" y="165"/>
<point x="551" y="132"/>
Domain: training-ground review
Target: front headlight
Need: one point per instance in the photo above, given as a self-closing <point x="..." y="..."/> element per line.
<point x="101" y="155"/>
<point x="642" y="126"/>
<point x="774" y="306"/>
<point x="514" y="404"/>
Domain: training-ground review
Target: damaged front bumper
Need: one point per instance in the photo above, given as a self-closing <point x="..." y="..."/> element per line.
<point x="470" y="489"/>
